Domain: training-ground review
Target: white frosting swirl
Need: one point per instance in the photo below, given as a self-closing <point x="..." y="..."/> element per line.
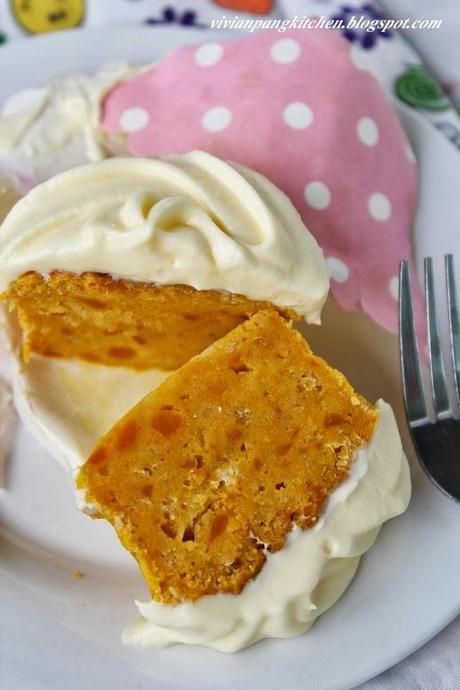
<point x="307" y="576"/>
<point x="9" y="193"/>
<point x="190" y="219"/>
<point x="51" y="129"/>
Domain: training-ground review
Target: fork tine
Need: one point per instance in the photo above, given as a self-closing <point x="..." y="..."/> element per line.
<point x="454" y="325"/>
<point x="410" y="358"/>
<point x="437" y="374"/>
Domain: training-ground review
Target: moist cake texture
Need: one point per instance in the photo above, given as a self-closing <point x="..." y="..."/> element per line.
<point x="92" y="317"/>
<point x="212" y="469"/>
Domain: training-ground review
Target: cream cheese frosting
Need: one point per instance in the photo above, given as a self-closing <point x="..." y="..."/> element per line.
<point x="9" y="193"/>
<point x="190" y="219"/>
<point x="7" y="426"/>
<point x="7" y="415"/>
<point x="68" y="405"/>
<point x="302" y="580"/>
<point x="53" y="128"/>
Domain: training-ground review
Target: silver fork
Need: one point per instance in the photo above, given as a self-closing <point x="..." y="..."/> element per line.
<point x="437" y="441"/>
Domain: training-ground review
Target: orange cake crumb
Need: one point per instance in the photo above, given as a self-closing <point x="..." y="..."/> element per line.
<point x="215" y="466"/>
<point x="120" y="322"/>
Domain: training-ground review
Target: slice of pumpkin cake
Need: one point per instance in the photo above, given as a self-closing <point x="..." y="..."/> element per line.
<point x="144" y="263"/>
<point x="247" y="486"/>
<point x="121" y="322"/>
<point x="211" y="471"/>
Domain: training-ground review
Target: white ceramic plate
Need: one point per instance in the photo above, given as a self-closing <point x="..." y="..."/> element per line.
<point x="60" y="632"/>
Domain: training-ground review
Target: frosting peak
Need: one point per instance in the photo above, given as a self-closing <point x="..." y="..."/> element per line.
<point x="190" y="219"/>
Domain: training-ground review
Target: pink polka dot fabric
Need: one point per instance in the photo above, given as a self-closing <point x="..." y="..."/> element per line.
<point x="295" y="108"/>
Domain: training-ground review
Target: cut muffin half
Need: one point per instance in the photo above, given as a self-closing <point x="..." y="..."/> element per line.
<point x="213" y="469"/>
<point x="144" y="263"/>
<point x="141" y="325"/>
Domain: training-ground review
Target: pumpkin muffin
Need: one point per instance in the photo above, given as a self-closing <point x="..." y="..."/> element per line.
<point x="97" y="319"/>
<point x="214" y="468"/>
<point x="144" y="263"/>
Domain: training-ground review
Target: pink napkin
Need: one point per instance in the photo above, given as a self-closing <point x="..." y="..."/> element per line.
<point x="296" y="108"/>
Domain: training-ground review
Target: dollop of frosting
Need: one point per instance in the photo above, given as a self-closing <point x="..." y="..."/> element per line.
<point x="51" y="129"/>
<point x="9" y="193"/>
<point x="7" y="411"/>
<point x="302" y="580"/>
<point x="192" y="219"/>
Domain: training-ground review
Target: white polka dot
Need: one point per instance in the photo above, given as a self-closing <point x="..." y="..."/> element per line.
<point x="285" y="51"/>
<point x="317" y="195"/>
<point x="338" y="269"/>
<point x="23" y="100"/>
<point x="208" y="54"/>
<point x="367" y="131"/>
<point x="217" y="119"/>
<point x="297" y="115"/>
<point x="410" y="154"/>
<point x="379" y="207"/>
<point x="393" y="287"/>
<point x="134" y="119"/>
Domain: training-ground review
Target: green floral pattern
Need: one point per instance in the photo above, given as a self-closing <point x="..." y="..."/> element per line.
<point x="419" y="89"/>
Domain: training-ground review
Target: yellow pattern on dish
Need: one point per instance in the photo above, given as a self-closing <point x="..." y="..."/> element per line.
<point x="40" y="16"/>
